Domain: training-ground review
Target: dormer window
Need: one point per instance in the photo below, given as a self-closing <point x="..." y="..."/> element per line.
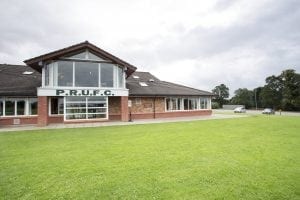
<point x="27" y="73"/>
<point x="143" y="84"/>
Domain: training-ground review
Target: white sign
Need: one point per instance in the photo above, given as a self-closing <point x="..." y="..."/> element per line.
<point x="81" y="92"/>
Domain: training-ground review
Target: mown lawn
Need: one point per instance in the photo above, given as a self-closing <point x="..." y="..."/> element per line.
<point x="245" y="158"/>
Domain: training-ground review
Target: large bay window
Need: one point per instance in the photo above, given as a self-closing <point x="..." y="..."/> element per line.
<point x="10" y="106"/>
<point x="187" y="103"/>
<point x="82" y="73"/>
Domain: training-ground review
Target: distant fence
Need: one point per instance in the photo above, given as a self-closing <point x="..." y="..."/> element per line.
<point x="231" y="107"/>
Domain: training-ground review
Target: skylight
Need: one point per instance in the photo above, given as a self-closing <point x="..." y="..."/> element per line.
<point x="143" y="84"/>
<point x="27" y="73"/>
<point x="136" y="77"/>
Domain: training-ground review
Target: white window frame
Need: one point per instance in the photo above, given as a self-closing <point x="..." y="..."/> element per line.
<point x="180" y="107"/>
<point x="53" y="83"/>
<point x="15" y="99"/>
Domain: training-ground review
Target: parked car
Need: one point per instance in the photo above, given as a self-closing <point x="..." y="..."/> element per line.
<point x="239" y="110"/>
<point x="268" y="111"/>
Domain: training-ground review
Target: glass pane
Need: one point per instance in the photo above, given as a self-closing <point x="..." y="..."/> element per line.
<point x="97" y="105"/>
<point x="32" y="106"/>
<point x="168" y="104"/>
<point x="65" y="73"/>
<point x="57" y="106"/>
<point x="86" y="74"/>
<point x="21" y="107"/>
<point x="9" y="107"/>
<point x="120" y="77"/>
<point x="93" y="57"/>
<point x="174" y="104"/>
<point x="76" y="110"/>
<point x="47" y="68"/>
<point x="185" y="104"/>
<point x="76" y="116"/>
<point x="79" y="56"/>
<point x="76" y="105"/>
<point x="75" y="99"/>
<point x="97" y="110"/>
<point x="96" y="116"/>
<point x="1" y="107"/>
<point x="90" y="99"/>
<point x="107" y="75"/>
<point x="202" y="103"/>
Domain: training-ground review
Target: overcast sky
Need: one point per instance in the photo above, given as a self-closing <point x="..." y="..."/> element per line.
<point x="197" y="43"/>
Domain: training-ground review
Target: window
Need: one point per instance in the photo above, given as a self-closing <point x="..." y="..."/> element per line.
<point x="86" y="108"/>
<point x="64" y="73"/>
<point x="56" y="105"/>
<point x="20" y="107"/>
<point x="33" y="106"/>
<point x="81" y="56"/>
<point x="83" y="74"/>
<point x="107" y="75"/>
<point x="204" y="103"/>
<point x="47" y="75"/>
<point x="93" y="56"/>
<point x="143" y="84"/>
<point x="86" y="74"/>
<point x="9" y="107"/>
<point x="120" y="78"/>
<point x="86" y="55"/>
<point x="1" y="107"/>
<point x="180" y="104"/>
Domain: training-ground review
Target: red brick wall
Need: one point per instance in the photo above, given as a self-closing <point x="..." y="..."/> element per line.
<point x="143" y="108"/>
<point x="124" y="108"/>
<point x="171" y="114"/>
<point x="42" y="111"/>
<point x="5" y="121"/>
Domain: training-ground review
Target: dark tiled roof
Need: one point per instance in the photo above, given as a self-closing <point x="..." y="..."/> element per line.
<point x="158" y="87"/>
<point x="34" y="62"/>
<point x="14" y="83"/>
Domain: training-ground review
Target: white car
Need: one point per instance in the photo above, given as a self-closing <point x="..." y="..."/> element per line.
<point x="239" y="110"/>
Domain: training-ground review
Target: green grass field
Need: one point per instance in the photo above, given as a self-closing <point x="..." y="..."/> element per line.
<point x="256" y="157"/>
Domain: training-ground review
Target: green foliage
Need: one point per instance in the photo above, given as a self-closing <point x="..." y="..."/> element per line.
<point x="280" y="92"/>
<point x="245" y="158"/>
<point x="215" y="105"/>
<point x="243" y="96"/>
<point x="222" y="93"/>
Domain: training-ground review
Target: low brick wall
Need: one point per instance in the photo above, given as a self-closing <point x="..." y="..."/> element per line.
<point x="20" y="120"/>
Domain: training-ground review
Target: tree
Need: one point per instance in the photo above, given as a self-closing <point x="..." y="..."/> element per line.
<point x="222" y="92"/>
<point x="271" y="93"/>
<point x="282" y="92"/>
<point x="290" y="90"/>
<point x="243" y="96"/>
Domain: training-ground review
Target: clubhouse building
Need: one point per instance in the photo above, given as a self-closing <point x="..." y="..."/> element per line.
<point x="83" y="83"/>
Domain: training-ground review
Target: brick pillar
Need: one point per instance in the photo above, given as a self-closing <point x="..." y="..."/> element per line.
<point x="124" y="108"/>
<point x="42" y="111"/>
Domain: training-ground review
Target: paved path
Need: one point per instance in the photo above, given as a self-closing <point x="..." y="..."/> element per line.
<point x="98" y="124"/>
